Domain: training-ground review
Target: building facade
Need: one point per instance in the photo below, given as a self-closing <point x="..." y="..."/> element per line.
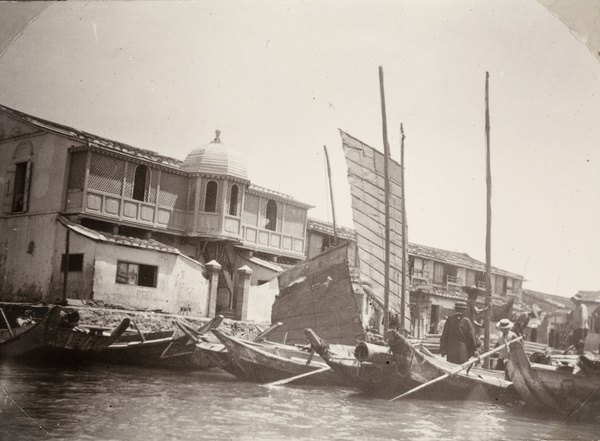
<point x="144" y="226"/>
<point x="436" y="278"/>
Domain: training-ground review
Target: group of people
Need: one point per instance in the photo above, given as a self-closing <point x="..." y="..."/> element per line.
<point x="459" y="341"/>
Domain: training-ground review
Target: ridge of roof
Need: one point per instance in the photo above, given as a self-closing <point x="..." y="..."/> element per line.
<point x="90" y="138"/>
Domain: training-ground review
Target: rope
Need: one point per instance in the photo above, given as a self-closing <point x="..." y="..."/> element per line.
<point x="23" y="410"/>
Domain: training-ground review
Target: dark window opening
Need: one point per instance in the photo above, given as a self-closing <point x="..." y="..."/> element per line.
<point x="20" y="195"/>
<point x="147" y="276"/>
<point x="75" y="262"/>
<point x="210" y="203"/>
<point x="271" y="221"/>
<point x="233" y="200"/>
<point x="136" y="274"/>
<point x="140" y="183"/>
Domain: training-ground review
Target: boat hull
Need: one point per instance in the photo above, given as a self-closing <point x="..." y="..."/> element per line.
<point x="269" y="362"/>
<point x="561" y="388"/>
<point x="174" y="352"/>
<point x="403" y="368"/>
<point x="55" y="337"/>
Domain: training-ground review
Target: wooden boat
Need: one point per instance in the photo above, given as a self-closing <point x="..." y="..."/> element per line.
<point x="167" y="349"/>
<point x="210" y="352"/>
<point x="337" y="292"/>
<point x="388" y="371"/>
<point x="56" y="336"/>
<point x="270" y="362"/>
<point x="561" y="387"/>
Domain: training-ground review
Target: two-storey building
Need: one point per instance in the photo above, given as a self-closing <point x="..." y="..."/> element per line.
<point x="87" y="217"/>
<point x="437" y="278"/>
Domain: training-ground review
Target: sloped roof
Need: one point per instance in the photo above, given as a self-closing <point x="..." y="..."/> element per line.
<point x="413" y="249"/>
<point x="149" y="244"/>
<point x="558" y="301"/>
<point x="278" y="195"/>
<point x="327" y="228"/>
<point x="91" y="139"/>
<point x="590" y="296"/>
<point x="454" y="258"/>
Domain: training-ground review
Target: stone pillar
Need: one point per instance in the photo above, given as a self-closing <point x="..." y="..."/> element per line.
<point x="213" y="269"/>
<point x="242" y="292"/>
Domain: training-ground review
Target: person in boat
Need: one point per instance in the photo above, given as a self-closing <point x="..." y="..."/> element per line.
<point x="440" y="326"/>
<point x="459" y="341"/>
<point x="473" y="312"/>
<point x="26" y="318"/>
<point x="505" y="326"/>
<point x="580" y="324"/>
<point x="521" y="320"/>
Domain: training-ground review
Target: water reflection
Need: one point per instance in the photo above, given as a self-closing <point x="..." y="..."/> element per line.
<point x="94" y="402"/>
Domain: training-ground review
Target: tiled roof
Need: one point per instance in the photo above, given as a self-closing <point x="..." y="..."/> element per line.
<point x="590" y="296"/>
<point x="149" y="244"/>
<point x="450" y="257"/>
<point x="327" y="228"/>
<point x="454" y="258"/>
<point x="275" y="194"/>
<point x="91" y="139"/>
<point x="217" y="165"/>
<point x="559" y="302"/>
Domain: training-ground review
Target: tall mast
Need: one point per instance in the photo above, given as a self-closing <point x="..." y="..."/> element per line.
<point x="386" y="155"/>
<point x="488" y="231"/>
<point x="335" y="236"/>
<point x="404" y="232"/>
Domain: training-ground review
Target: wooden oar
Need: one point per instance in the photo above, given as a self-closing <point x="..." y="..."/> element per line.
<point x="459" y="368"/>
<point x="263" y="335"/>
<point x="289" y="380"/>
<point x="138" y="331"/>
<point x="10" y="331"/>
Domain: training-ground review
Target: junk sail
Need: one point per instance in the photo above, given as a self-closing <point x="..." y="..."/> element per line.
<point x="366" y="178"/>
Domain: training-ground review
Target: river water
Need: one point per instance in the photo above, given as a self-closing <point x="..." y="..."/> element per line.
<point x="97" y="402"/>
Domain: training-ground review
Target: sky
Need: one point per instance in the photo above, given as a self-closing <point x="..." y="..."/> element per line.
<point x="278" y="79"/>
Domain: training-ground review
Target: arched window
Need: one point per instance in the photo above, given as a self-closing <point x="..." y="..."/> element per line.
<point x="271" y="223"/>
<point x="210" y="201"/>
<point x="233" y="200"/>
<point x="140" y="183"/>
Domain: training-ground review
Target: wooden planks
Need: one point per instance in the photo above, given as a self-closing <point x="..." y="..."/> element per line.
<point x="366" y="177"/>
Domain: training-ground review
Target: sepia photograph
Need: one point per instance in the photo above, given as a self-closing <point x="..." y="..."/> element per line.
<point x="300" y="220"/>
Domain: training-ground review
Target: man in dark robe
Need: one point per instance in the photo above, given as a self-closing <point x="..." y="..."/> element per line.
<point x="459" y="341"/>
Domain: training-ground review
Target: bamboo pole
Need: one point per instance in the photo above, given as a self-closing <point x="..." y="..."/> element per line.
<point x="335" y="236"/>
<point x="386" y="155"/>
<point x="404" y="232"/>
<point x="459" y="368"/>
<point x="488" y="238"/>
<point x="10" y="331"/>
<point x="66" y="276"/>
<point x="296" y="377"/>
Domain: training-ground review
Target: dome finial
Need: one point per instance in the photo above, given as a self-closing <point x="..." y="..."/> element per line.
<point x="217" y="137"/>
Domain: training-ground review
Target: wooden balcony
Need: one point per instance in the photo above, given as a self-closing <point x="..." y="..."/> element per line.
<point x="454" y="280"/>
<point x="267" y="240"/>
<point x="113" y="207"/>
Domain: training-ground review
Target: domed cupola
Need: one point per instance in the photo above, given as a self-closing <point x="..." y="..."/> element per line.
<point x="216" y="158"/>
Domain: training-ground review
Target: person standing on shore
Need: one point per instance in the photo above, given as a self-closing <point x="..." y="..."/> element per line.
<point x="580" y="323"/>
<point x="459" y="341"/>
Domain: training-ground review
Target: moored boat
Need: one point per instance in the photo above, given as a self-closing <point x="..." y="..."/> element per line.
<point x="167" y="349"/>
<point x="561" y="387"/>
<point x="269" y="362"/>
<point x="388" y="371"/>
<point x="56" y="336"/>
